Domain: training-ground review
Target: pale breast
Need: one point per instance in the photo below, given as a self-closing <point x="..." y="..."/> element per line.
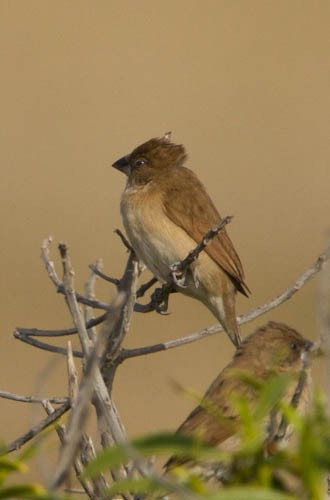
<point x="157" y="241"/>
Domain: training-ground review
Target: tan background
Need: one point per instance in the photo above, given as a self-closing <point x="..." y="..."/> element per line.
<point x="243" y="84"/>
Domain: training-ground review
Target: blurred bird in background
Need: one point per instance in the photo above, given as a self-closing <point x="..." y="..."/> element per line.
<point x="272" y="350"/>
<point x="166" y="212"/>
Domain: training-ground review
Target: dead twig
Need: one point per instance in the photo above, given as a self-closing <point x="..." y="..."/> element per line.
<point x="31" y="399"/>
<point x="105" y="277"/>
<point x="178" y="269"/>
<point x="92" y="383"/>
<point x="38" y="428"/>
<point x="60" y="431"/>
<point x="245" y="318"/>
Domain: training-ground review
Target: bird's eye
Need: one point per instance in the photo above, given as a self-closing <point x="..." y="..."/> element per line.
<point x="139" y="162"/>
<point x="293" y="346"/>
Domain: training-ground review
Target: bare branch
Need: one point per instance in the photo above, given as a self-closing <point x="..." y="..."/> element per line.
<point x="31" y="399"/>
<point x="37" y="429"/>
<point x="50" y="268"/>
<point x="49" y="264"/>
<point x="114" y="281"/>
<point x="113" y="342"/>
<point x="72" y="376"/>
<point x="178" y="268"/>
<point x="177" y="273"/>
<point x="90" y="294"/>
<point x="124" y="240"/>
<point x="282" y="429"/>
<point x="46" y="347"/>
<point x="245" y="318"/>
<point x="70" y="295"/>
<point x="92" y="381"/>
<point x="35" y="332"/>
<point x="97" y="304"/>
<point x="89" y="486"/>
<point x="87" y="386"/>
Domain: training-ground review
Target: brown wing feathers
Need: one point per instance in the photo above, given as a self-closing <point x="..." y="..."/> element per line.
<point x="187" y="210"/>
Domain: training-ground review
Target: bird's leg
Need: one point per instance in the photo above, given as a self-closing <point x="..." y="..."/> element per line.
<point x="160" y="297"/>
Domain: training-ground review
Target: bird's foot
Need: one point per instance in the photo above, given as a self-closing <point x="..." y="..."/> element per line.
<point x="178" y="275"/>
<point x="160" y="298"/>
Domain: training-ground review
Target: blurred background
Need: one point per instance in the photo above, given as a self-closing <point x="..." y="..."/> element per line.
<point x="244" y="85"/>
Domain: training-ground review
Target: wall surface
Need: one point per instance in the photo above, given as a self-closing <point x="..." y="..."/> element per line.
<point x="244" y="85"/>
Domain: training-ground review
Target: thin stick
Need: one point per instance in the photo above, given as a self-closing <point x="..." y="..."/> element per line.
<point x="180" y="267"/>
<point x="302" y="380"/>
<point x="37" y="429"/>
<point x="46" y="347"/>
<point x="110" y="427"/>
<point x="35" y="332"/>
<point x="206" y="332"/>
<point x="105" y="277"/>
<point x="31" y="399"/>
<point x="245" y="318"/>
<point x="60" y="430"/>
<point x="72" y="376"/>
<point x="90" y="294"/>
<point x="86" y="389"/>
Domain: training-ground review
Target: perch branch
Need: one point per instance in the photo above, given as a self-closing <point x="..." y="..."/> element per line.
<point x="124" y="240"/>
<point x="177" y="273"/>
<point x="245" y="318"/>
<point x="178" y="269"/>
<point x="141" y="351"/>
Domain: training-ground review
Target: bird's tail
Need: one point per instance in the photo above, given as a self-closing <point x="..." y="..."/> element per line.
<point x="224" y="309"/>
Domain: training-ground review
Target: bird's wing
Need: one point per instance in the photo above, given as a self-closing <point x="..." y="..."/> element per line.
<point x="216" y="420"/>
<point x="216" y="417"/>
<point x="188" y="205"/>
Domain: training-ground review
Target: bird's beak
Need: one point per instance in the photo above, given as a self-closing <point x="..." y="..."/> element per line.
<point x="123" y="165"/>
<point x="308" y="353"/>
<point x="308" y="345"/>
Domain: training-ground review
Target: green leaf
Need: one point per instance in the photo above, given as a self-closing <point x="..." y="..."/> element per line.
<point x="155" y="444"/>
<point x="24" y="491"/>
<point x="246" y="493"/>
<point x="271" y="393"/>
<point x="140" y="485"/>
<point x="7" y="465"/>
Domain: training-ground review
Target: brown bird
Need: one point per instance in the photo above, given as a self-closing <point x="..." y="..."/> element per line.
<point x="273" y="349"/>
<point x="166" y="212"/>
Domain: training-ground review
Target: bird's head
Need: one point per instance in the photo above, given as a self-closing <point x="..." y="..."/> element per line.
<point x="151" y="158"/>
<point x="276" y="347"/>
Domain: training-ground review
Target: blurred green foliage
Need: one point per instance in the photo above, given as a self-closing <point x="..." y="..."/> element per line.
<point x="296" y="471"/>
<point x="11" y="482"/>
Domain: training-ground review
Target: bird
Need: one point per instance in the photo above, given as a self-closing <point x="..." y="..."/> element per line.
<point x="166" y="212"/>
<point x="272" y="350"/>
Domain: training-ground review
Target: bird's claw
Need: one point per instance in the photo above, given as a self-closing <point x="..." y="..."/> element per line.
<point x="159" y="300"/>
<point x="177" y="275"/>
